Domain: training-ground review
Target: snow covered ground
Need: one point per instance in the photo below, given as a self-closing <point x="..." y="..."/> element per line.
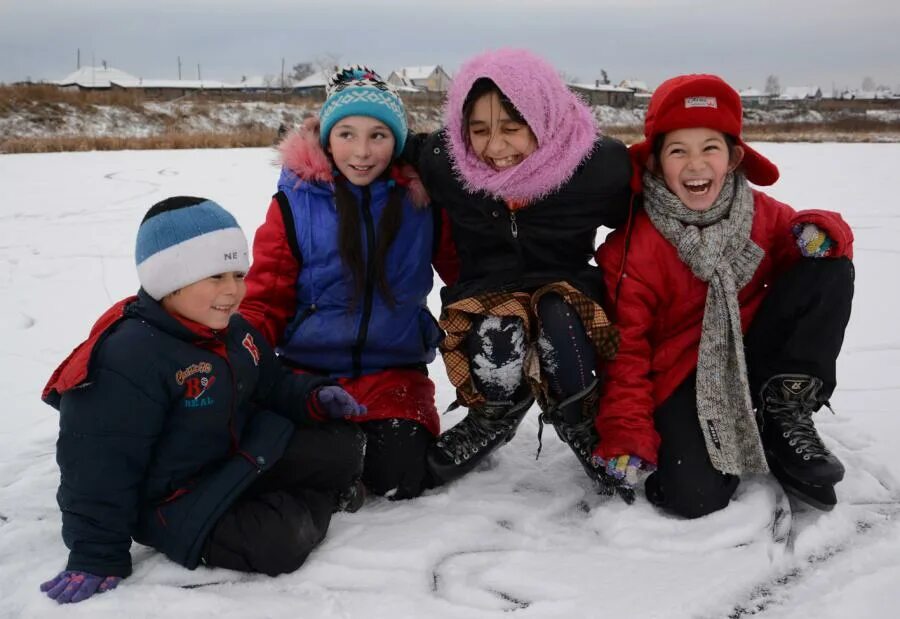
<point x="518" y="537"/>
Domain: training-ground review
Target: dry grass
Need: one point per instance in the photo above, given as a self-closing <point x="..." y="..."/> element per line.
<point x="173" y="140"/>
<point x="843" y="130"/>
<point x="24" y="96"/>
<point x="41" y="95"/>
<point x="840" y="130"/>
<point x="49" y="106"/>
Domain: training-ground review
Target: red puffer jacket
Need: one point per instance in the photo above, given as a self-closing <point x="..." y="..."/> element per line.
<point x="658" y="304"/>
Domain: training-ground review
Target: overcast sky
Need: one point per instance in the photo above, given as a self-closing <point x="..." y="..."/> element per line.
<point x="803" y="42"/>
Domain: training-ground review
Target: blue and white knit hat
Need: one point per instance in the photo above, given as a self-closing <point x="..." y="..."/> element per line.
<point x="182" y="240"/>
<point x="359" y="91"/>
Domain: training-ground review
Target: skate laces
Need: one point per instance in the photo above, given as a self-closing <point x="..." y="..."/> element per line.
<point x="462" y="439"/>
<point x="577" y="435"/>
<point x="794" y="422"/>
<point x="477" y="430"/>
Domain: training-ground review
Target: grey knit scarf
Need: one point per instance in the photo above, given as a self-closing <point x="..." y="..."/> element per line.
<point x="715" y="244"/>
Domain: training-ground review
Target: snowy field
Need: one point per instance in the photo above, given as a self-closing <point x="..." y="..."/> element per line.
<point x="518" y="537"/>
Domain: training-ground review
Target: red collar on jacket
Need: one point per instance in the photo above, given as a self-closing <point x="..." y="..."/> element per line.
<point x="74" y="369"/>
<point x="207" y="338"/>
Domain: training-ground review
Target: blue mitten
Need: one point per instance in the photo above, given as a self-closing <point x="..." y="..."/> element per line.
<point x="337" y="403"/>
<point x="812" y="240"/>
<point x="74" y="587"/>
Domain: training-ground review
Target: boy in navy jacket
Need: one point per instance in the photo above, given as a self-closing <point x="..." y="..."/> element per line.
<point x="180" y="430"/>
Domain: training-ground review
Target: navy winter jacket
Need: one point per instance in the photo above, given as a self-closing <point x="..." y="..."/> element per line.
<point x="552" y="239"/>
<point x="165" y="432"/>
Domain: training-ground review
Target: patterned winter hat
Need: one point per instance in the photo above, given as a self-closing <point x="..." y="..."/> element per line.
<point x="359" y="91"/>
<point x="182" y="240"/>
<point x="700" y="100"/>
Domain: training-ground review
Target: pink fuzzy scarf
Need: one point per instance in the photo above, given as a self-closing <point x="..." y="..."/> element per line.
<point x="562" y="123"/>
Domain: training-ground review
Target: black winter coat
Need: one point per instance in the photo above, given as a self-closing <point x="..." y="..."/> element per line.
<point x="552" y="239"/>
<point x="168" y="429"/>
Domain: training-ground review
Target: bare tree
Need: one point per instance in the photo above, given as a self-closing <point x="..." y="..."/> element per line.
<point x="327" y="62"/>
<point x="604" y="78"/>
<point x="302" y="70"/>
<point x="568" y="78"/>
<point x="773" y="86"/>
<point x="868" y="84"/>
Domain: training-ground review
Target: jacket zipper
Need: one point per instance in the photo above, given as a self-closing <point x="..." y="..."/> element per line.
<point x="235" y="445"/>
<point x="513" y="226"/>
<point x="370" y="282"/>
<point x="299" y="320"/>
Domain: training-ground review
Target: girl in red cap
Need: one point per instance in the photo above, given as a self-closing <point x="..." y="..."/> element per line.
<point x="731" y="308"/>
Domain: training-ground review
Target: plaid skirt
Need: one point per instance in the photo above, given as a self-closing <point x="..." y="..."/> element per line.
<point x="457" y="318"/>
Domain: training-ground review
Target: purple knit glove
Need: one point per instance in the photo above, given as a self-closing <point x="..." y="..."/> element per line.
<point x="812" y="240"/>
<point x="337" y="403"/>
<point x="77" y="586"/>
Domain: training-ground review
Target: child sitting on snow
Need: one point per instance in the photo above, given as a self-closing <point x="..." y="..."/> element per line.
<point x="726" y="300"/>
<point x="167" y="430"/>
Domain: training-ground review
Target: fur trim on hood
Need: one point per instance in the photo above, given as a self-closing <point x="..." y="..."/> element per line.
<point x="563" y="125"/>
<point x="301" y="153"/>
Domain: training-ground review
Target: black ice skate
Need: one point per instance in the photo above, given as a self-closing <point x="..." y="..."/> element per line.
<point x="459" y="450"/>
<point x="581" y="437"/>
<point x="351" y="498"/>
<point x="794" y="451"/>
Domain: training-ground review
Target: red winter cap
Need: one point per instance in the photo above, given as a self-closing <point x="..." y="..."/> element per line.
<point x="689" y="101"/>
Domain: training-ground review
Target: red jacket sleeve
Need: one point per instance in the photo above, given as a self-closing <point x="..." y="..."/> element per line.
<point x="625" y="416"/>
<point x="832" y="224"/>
<point x="271" y="283"/>
<point x="445" y="259"/>
<point x="781" y="219"/>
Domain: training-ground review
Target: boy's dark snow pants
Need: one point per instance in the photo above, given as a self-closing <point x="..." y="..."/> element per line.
<point x="799" y="329"/>
<point x="277" y="522"/>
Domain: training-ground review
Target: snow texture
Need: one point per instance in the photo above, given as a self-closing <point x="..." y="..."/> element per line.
<point x="503" y="375"/>
<point x="517" y="537"/>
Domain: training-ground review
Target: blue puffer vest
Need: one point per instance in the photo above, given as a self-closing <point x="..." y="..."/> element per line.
<point x="329" y="331"/>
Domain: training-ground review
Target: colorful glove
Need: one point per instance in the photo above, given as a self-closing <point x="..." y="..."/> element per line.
<point x="623" y="474"/>
<point x="77" y="586"/>
<point x="812" y="240"/>
<point x="336" y="403"/>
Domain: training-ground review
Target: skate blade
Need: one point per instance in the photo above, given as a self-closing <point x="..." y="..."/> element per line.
<point x="820" y="497"/>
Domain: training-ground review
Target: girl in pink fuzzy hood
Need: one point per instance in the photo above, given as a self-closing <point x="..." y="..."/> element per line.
<point x="526" y="182"/>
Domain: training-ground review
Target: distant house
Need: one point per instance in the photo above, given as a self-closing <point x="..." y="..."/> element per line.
<point x="313" y="85"/>
<point x="93" y="78"/>
<point x="431" y="78"/>
<point x="604" y="94"/>
<point x="265" y="83"/>
<point x="866" y="95"/>
<point x="801" y="93"/>
<point x="100" y="78"/>
<point x="754" y="97"/>
<point x="635" y="86"/>
<point x="170" y="88"/>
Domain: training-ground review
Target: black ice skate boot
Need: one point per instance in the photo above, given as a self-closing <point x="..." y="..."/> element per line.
<point x="351" y="498"/>
<point x="794" y="450"/>
<point x="573" y="420"/>
<point x="459" y="450"/>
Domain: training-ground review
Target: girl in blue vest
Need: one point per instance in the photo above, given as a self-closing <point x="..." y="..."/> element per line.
<point x="342" y="268"/>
